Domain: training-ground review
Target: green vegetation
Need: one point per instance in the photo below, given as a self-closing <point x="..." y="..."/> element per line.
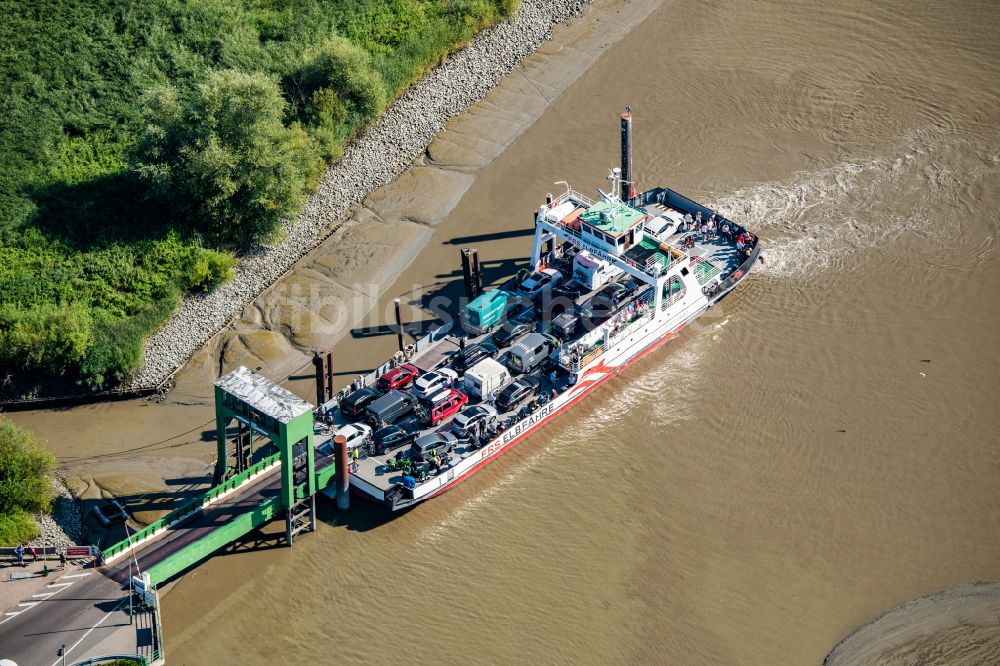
<point x="24" y="483"/>
<point x="142" y="144"/>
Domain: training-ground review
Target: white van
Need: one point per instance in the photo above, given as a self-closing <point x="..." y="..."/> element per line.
<point x="591" y="272"/>
<point x="485" y="377"/>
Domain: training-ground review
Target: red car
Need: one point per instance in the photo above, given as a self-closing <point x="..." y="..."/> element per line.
<point x="398" y="378"/>
<point x="443" y="404"/>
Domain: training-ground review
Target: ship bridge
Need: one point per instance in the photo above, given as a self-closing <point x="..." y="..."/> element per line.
<point x="613" y="232"/>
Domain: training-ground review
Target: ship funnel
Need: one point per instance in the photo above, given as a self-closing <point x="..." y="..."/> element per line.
<point x="627" y="190"/>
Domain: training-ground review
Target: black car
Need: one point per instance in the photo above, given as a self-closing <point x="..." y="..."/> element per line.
<point x="473" y="354"/>
<point x="516" y="392"/>
<point x="353" y="406"/>
<point x="392" y="437"/>
<point x="605" y="302"/>
<point x="509" y="333"/>
<point x="631" y="286"/>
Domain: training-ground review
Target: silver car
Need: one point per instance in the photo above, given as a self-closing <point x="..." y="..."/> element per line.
<point x="468" y="420"/>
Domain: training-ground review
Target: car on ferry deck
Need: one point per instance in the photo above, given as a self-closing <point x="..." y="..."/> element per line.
<point x="540" y="281"/>
<point x="397" y="378"/>
<point x="472" y="354"/>
<point x="470" y="418"/>
<point x="518" y="391"/>
<point x="433" y="382"/>
<point x="392" y="437"/>
<point x="440" y="442"/>
<point x="354" y="405"/>
<point x="604" y="303"/>
<point x="512" y="331"/>
<point x="389" y="408"/>
<point x="356" y="434"/>
<point x="441" y="406"/>
<point x="531" y="352"/>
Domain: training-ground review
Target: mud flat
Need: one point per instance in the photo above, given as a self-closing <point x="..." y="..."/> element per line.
<point x="955" y="627"/>
<point x="375" y="159"/>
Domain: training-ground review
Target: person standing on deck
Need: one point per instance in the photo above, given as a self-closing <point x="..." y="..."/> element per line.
<point x="686" y="222"/>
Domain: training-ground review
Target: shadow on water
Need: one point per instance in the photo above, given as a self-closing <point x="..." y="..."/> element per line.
<point x="363" y="516"/>
<point x="484" y="238"/>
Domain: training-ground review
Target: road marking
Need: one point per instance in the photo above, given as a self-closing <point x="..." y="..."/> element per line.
<point x="61" y="660"/>
<point x="29" y="604"/>
<point x="56" y="589"/>
<point x="79" y="575"/>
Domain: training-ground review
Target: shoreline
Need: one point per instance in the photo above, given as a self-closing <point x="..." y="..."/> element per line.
<point x="384" y="151"/>
<point x="377" y="157"/>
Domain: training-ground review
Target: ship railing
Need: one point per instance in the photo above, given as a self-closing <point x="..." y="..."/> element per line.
<point x="673" y="298"/>
<point x="704" y="270"/>
<point x="577" y="354"/>
<point x="741" y="271"/>
<point x="574" y="196"/>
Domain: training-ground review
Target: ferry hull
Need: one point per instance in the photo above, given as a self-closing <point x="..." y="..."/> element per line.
<point x="598" y="371"/>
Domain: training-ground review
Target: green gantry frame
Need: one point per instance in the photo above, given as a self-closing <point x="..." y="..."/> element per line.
<point x="273" y="411"/>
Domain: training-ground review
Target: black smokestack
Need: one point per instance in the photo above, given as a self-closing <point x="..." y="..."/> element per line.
<point x="626" y="184"/>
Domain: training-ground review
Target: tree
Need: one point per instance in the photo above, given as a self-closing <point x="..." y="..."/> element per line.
<point x="221" y="155"/>
<point x="25" y="467"/>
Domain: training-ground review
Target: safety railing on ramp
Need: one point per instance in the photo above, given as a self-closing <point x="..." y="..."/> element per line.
<point x="188" y="510"/>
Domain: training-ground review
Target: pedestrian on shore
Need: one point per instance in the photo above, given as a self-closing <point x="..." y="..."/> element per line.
<point x="62" y="559"/>
<point x="19" y="552"/>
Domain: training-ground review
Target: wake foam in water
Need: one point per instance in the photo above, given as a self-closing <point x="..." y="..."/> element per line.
<point x="813" y="221"/>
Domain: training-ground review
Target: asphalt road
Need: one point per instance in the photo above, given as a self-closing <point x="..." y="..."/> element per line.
<point x="79" y="610"/>
<point x="82" y="610"/>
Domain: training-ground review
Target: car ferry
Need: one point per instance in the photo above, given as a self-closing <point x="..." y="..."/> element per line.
<point x="610" y="279"/>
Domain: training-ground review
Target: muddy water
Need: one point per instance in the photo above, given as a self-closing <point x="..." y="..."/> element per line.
<point x="818" y="449"/>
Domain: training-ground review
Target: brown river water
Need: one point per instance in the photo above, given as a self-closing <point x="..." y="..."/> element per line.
<point x="816" y="450"/>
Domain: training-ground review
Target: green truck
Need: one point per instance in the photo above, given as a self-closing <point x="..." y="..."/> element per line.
<point x="486" y="311"/>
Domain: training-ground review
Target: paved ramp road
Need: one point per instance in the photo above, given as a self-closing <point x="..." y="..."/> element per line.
<point x="79" y="610"/>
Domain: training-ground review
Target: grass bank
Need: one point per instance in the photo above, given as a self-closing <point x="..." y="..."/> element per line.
<point x="141" y="145"/>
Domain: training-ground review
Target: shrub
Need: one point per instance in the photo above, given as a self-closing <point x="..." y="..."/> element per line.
<point x="25" y="467"/>
<point x="339" y="76"/>
<point x="17" y="527"/>
<point x="207" y="268"/>
<point x="47" y="335"/>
